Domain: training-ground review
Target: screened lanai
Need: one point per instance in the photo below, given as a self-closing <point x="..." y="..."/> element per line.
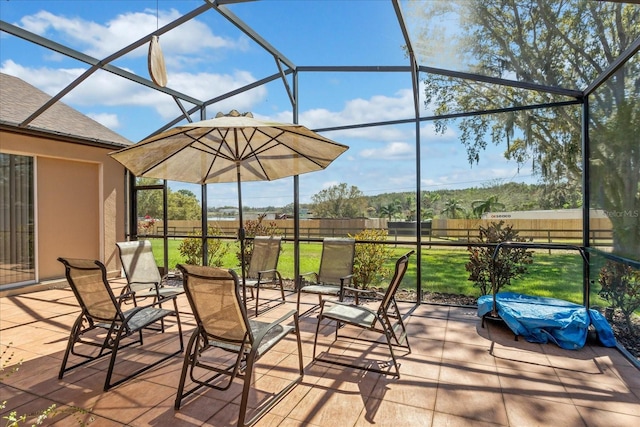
<point x="457" y="114"/>
<point x="430" y="96"/>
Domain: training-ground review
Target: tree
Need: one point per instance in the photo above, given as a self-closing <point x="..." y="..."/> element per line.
<point x="149" y="201"/>
<point x="561" y="195"/>
<point x="453" y="209"/>
<point x="481" y="207"/>
<point x="428" y="208"/>
<point x="556" y="44"/>
<point x="615" y="173"/>
<point x="339" y="201"/>
<point x="391" y="209"/>
<point x="183" y="204"/>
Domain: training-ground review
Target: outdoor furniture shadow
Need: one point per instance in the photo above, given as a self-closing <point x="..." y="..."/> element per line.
<point x="101" y="310"/>
<point x="386" y="320"/>
<point x="336" y="270"/>
<point x="262" y="269"/>
<point x="223" y="328"/>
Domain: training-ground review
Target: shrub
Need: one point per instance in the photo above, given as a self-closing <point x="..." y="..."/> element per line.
<point x="489" y="275"/>
<point x="369" y="259"/>
<point x="621" y="288"/>
<point x="191" y="248"/>
<point x="146" y="225"/>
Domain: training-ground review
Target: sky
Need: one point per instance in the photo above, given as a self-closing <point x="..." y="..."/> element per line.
<point x="207" y="57"/>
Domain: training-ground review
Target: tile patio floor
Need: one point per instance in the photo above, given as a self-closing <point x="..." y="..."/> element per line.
<point x="458" y="374"/>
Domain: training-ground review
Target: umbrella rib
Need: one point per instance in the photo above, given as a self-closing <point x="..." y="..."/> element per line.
<point x="259" y="151"/>
<point x="160" y="161"/>
<point x="254" y="152"/>
<point x="217" y="154"/>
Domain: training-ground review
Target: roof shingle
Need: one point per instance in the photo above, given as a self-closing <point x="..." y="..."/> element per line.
<point x="19" y="99"/>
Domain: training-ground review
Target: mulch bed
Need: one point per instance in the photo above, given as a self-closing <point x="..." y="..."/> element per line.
<point x="627" y="337"/>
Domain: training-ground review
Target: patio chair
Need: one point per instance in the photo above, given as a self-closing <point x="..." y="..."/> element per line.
<point x="140" y="269"/>
<point x="386" y="320"/>
<point x="336" y="270"/>
<point x="102" y="310"/>
<point x="223" y="327"/>
<point x="263" y="267"/>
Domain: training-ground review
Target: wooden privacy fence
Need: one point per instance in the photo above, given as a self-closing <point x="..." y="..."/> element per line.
<point x="538" y="229"/>
<point x="459" y="230"/>
<point x="309" y="228"/>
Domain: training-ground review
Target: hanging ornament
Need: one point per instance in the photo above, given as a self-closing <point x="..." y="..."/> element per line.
<point x="157" y="69"/>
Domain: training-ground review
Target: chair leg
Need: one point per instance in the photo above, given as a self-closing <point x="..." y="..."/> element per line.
<point x="257" y="296"/>
<point x="112" y="359"/>
<point x="274" y="398"/>
<point x="315" y="339"/>
<point x="245" y="390"/>
<point x="188" y="360"/>
<point x="175" y="306"/>
<point x="296" y="323"/>
<point x="281" y="290"/>
<point x="75" y="331"/>
<point x="393" y="356"/>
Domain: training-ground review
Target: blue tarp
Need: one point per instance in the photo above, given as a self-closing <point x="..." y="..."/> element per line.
<point x="542" y="319"/>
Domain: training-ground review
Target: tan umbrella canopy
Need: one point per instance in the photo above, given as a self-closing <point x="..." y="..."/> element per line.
<point x="230" y="148"/>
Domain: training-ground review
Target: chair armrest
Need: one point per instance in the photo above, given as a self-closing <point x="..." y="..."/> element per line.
<point x="302" y="275"/>
<point x="152" y="286"/>
<point x="277" y="275"/>
<point x="124" y="295"/>
<point x="127" y="295"/>
<point x="360" y="291"/>
<point x="357" y="292"/>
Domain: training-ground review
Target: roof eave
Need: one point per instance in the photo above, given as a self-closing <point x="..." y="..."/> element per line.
<point x="59" y="136"/>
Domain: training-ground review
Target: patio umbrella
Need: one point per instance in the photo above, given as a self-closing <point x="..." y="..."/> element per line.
<point x="230" y="148"/>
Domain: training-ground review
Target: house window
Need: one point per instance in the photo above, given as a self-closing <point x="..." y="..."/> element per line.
<point x="17" y="249"/>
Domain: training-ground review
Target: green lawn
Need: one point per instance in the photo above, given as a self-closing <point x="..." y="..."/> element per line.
<point x="557" y="275"/>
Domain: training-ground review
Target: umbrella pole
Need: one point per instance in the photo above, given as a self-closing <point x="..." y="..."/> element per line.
<point x="241" y="235"/>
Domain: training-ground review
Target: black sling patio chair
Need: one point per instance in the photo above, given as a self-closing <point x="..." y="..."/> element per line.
<point x="223" y="328"/>
<point x="386" y="320"/>
<point x="336" y="270"/>
<point x="263" y="267"/>
<point x="101" y="309"/>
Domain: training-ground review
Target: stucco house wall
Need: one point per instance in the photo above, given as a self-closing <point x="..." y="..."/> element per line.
<point x="79" y="190"/>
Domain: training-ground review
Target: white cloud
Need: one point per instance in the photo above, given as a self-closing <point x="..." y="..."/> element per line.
<point x="378" y="108"/>
<point x="329" y="184"/>
<point x="98" y="40"/>
<point x="103" y="88"/>
<point x="391" y="151"/>
<point x="475" y="176"/>
<point x="105" y="119"/>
